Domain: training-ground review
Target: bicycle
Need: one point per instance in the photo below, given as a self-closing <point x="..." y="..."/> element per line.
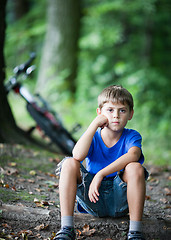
<point x="47" y="120"/>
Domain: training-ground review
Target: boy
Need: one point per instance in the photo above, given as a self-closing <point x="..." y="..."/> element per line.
<point x="114" y="180"/>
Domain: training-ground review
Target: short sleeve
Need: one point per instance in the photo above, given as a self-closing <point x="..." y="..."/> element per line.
<point x="134" y="139"/>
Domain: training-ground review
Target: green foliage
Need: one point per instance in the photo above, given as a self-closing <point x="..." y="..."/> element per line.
<point x="24" y="35"/>
<point x="119" y="45"/>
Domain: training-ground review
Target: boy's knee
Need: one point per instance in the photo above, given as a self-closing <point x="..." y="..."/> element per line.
<point x="71" y="164"/>
<point x="134" y="170"/>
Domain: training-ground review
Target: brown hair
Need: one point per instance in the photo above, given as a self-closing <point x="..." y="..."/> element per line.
<point x="115" y="93"/>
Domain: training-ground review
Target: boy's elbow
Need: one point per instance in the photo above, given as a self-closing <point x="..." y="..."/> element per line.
<point x="76" y="156"/>
<point x="135" y="153"/>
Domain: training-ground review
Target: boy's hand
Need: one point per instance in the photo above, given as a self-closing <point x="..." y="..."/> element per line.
<point x="94" y="188"/>
<point x="101" y="121"/>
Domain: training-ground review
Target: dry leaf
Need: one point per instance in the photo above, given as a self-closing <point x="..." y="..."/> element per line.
<point x="87" y="231"/>
<point x="5" y="225"/>
<point x="31" y="181"/>
<point x="56" y="160"/>
<point x="163" y="200"/>
<point x="168" y="191"/>
<point x="21" y="180"/>
<point x="11" y="171"/>
<point x="51" y="175"/>
<point x="39" y="190"/>
<point x="78" y="232"/>
<point x="41" y="227"/>
<point x="32" y="172"/>
<point x="25" y="233"/>
<point x="147" y="197"/>
<point x="13" y="188"/>
<point x="12" y="164"/>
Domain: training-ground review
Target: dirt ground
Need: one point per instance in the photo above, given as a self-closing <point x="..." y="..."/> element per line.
<point x="29" y="201"/>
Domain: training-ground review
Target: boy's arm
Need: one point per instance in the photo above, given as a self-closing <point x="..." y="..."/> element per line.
<point x="81" y="148"/>
<point x="132" y="155"/>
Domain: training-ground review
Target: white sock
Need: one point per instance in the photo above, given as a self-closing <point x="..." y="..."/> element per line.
<point x="135" y="226"/>
<point x="67" y="221"/>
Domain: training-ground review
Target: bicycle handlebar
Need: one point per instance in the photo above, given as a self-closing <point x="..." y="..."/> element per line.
<point x="22" y="68"/>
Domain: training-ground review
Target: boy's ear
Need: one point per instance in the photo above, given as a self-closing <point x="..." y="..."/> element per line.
<point x="98" y="111"/>
<point x="131" y="114"/>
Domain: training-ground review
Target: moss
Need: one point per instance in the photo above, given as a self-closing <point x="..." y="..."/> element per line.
<point x="27" y="159"/>
<point x="14" y="196"/>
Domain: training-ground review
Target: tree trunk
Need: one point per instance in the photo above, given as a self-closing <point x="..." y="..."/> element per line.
<point x="61" y="44"/>
<point x="9" y="132"/>
<point x="18" y="9"/>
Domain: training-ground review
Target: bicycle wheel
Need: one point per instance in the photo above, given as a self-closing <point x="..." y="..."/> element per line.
<point x="58" y="134"/>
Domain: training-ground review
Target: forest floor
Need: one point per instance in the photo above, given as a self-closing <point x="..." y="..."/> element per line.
<point x="29" y="201"/>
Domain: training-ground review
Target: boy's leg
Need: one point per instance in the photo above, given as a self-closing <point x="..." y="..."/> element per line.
<point x="69" y="177"/>
<point x="135" y="179"/>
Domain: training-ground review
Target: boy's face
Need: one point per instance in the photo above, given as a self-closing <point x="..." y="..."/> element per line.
<point x="117" y="114"/>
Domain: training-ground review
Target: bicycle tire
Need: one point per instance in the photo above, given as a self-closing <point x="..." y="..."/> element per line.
<point x="59" y="135"/>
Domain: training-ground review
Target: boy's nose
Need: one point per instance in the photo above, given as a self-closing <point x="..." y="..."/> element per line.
<point x="115" y="114"/>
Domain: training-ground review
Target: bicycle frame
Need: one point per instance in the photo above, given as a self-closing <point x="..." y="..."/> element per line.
<point x="47" y="120"/>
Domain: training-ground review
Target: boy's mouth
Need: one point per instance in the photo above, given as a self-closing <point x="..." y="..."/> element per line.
<point x="116" y="122"/>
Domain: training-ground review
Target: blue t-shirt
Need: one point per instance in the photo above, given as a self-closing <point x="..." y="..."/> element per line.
<point x="100" y="156"/>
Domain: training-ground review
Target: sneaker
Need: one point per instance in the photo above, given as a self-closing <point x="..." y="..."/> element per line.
<point x="66" y="233"/>
<point x="132" y="235"/>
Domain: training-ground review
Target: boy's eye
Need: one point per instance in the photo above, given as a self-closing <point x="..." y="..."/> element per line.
<point x="110" y="110"/>
<point x="122" y="110"/>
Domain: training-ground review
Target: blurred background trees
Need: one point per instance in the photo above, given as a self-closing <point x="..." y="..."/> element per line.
<point x="59" y="55"/>
<point x="86" y="45"/>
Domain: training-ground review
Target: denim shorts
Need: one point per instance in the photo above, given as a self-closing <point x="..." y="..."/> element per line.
<point x="112" y="199"/>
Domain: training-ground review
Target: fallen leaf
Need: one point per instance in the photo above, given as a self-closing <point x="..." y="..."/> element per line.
<point x="51" y="184"/>
<point x="51" y="175"/>
<point x="56" y="160"/>
<point x="87" y="231"/>
<point x="168" y="191"/>
<point x="147" y="197"/>
<point x="39" y="190"/>
<point x="45" y="203"/>
<point x="32" y="172"/>
<point x="41" y="227"/>
<point x="36" y="200"/>
<point x="21" y="180"/>
<point x="5" y="225"/>
<point x="11" y="171"/>
<point x="78" y="232"/>
<point x="150" y="188"/>
<point x="31" y="181"/>
<point x="13" y="188"/>
<point x="12" y="164"/>
<point x="154" y="180"/>
<point x="163" y="200"/>
<point x="42" y="203"/>
<point x="25" y="234"/>
<point x="167" y="207"/>
<point x="1" y="182"/>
